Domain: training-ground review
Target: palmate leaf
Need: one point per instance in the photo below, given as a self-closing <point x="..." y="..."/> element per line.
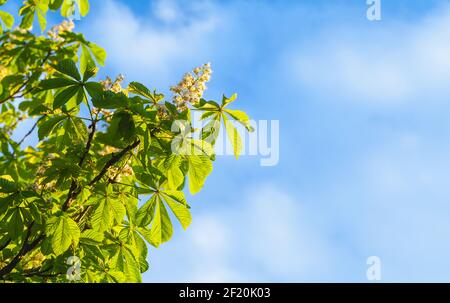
<point x="64" y="232"/>
<point x="155" y="212"/>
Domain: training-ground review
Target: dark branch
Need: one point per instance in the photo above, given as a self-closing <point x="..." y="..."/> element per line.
<point x="26" y="248"/>
<point x="31" y="130"/>
<point x="74" y="191"/>
<point x="4" y="245"/>
<point x="73" y="185"/>
<point x="113" y="161"/>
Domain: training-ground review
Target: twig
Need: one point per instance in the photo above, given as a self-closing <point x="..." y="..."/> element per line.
<point x="31" y="130"/>
<point x="113" y="161"/>
<point x="6" y="244"/>
<point x="73" y="185"/>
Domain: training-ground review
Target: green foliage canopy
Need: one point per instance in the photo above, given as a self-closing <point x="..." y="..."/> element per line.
<point x="102" y="148"/>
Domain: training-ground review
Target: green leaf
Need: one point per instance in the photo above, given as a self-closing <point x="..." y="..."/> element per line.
<point x="7" y="185"/>
<point x="7" y="19"/>
<point x="91" y="237"/>
<point x="55" y="4"/>
<point x="64" y="231"/>
<point x="107" y="211"/>
<point x="27" y="20"/>
<point x="233" y="136"/>
<point x="171" y="167"/>
<point x="108" y="99"/>
<point x="56" y="83"/>
<point x="86" y="60"/>
<point x="16" y="223"/>
<point x="199" y="168"/>
<point x="42" y="20"/>
<point x="144" y="215"/>
<point x="68" y="8"/>
<point x="64" y="96"/>
<point x="68" y="68"/>
<point x="161" y="229"/>
<point x="84" y="7"/>
<point x="94" y="89"/>
<point x="98" y="52"/>
<point x="226" y="101"/>
<point x="177" y="203"/>
<point x="48" y="125"/>
<point x="240" y="117"/>
<point x="140" y="89"/>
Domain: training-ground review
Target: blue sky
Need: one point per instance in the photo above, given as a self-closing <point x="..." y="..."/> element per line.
<point x="364" y="150"/>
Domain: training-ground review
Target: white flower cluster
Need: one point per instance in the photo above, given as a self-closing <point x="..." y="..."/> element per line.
<point x="116" y="173"/>
<point x="106" y="113"/>
<point x="114" y="86"/>
<point x="191" y="87"/>
<point x="55" y="32"/>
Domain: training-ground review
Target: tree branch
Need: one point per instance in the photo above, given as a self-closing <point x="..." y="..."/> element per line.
<point x="6" y="244"/>
<point x="31" y="130"/>
<point x="113" y="161"/>
<point x="74" y="191"/>
<point x="73" y="185"/>
<point x="26" y="248"/>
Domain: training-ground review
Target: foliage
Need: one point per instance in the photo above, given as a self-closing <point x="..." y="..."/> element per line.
<point x="102" y="149"/>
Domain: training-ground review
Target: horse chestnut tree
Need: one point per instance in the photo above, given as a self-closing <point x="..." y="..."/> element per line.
<point x="109" y="166"/>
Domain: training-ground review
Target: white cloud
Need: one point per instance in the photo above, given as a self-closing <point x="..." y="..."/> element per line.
<point x="268" y="234"/>
<point x="388" y="65"/>
<point x="142" y="47"/>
